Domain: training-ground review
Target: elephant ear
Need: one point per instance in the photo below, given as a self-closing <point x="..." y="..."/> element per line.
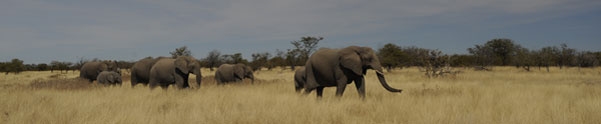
<point x="181" y="64"/>
<point x="102" y="67"/>
<point x="117" y="77"/>
<point x="110" y="78"/>
<point x="351" y="60"/>
<point x="239" y="71"/>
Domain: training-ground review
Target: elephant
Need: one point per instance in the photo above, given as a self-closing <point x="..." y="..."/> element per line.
<point x="109" y="78"/>
<point x="299" y="79"/>
<point x="233" y="73"/>
<point x="174" y="71"/>
<point x="90" y="70"/>
<point x="140" y="71"/>
<point x="339" y="67"/>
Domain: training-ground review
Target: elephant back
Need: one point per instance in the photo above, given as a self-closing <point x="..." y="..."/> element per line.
<point x="141" y="69"/>
<point x="90" y="70"/>
<point x="225" y="72"/>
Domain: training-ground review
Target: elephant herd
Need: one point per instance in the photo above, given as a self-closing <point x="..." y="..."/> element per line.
<point x="324" y="68"/>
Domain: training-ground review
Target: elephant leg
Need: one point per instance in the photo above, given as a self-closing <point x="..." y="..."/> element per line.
<point x="308" y="91"/>
<point x="319" y="91"/>
<point x="218" y="79"/>
<point x="340" y="86"/>
<point x="153" y="83"/>
<point x="186" y="83"/>
<point x="311" y="82"/>
<point x="360" y="84"/>
<point x="134" y="79"/>
<point x="298" y="85"/>
<point x="164" y="86"/>
<point x="180" y="82"/>
<point x="298" y="89"/>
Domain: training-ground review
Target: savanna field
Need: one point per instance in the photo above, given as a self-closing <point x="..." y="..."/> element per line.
<point x="504" y="95"/>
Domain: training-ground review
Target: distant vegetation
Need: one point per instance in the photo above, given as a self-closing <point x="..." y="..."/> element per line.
<point x="495" y="52"/>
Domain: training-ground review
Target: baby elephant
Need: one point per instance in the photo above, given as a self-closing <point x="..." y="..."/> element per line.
<point x="109" y="78"/>
<point x="299" y="79"/>
<point x="233" y="73"/>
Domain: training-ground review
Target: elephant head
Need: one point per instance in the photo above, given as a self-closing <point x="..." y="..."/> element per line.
<point x="359" y="59"/>
<point x="109" y="66"/>
<point x="242" y="71"/>
<point x="186" y="65"/>
<point x="115" y="78"/>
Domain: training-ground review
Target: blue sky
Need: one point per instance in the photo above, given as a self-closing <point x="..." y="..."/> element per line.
<point x="39" y="31"/>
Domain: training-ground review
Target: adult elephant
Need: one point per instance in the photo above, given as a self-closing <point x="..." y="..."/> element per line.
<point x="299" y="79"/>
<point x="174" y="71"/>
<point x="339" y="67"/>
<point x="140" y="71"/>
<point x="233" y="73"/>
<point x="90" y="70"/>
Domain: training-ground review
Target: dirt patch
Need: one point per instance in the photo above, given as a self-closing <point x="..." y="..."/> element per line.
<point x="210" y="80"/>
<point x="436" y="91"/>
<point x="54" y="76"/>
<point x="62" y="84"/>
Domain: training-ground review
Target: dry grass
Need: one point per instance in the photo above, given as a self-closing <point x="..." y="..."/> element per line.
<point x="504" y="95"/>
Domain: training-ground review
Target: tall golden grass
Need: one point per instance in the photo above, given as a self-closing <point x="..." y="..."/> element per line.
<point x="505" y="95"/>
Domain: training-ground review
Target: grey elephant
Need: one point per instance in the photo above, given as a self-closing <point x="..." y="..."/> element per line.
<point x="233" y="73"/>
<point x="140" y="71"/>
<point x="90" y="70"/>
<point x="339" y="67"/>
<point x="109" y="78"/>
<point x="174" y="71"/>
<point x="299" y="79"/>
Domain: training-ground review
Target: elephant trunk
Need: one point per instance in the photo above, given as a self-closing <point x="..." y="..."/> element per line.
<point x="198" y="76"/>
<point x="383" y="82"/>
<point x="252" y="79"/>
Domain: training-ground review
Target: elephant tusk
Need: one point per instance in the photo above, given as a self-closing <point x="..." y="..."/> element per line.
<point x="379" y="72"/>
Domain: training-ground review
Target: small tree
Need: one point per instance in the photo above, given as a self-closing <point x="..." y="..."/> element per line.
<point x="3" y="67"/>
<point x="566" y="56"/>
<point x="16" y="66"/>
<point x="234" y="58"/>
<point x="524" y="58"/>
<point x="391" y="56"/>
<point x="416" y="55"/>
<point x="547" y="56"/>
<point x="260" y="60"/>
<point x="304" y="47"/>
<point x="278" y="59"/>
<point x="54" y="65"/>
<point x="66" y="66"/>
<point x="437" y="64"/>
<point x="31" y="67"/>
<point x="586" y="59"/>
<point x="291" y="58"/>
<point x="495" y="52"/>
<point x="42" y="67"/>
<point x="182" y="51"/>
<point x="213" y="59"/>
<point x="462" y="60"/>
<point x="483" y="56"/>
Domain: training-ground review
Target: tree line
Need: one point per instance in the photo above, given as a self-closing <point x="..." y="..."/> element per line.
<point x="495" y="52"/>
<point x="16" y="66"/>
